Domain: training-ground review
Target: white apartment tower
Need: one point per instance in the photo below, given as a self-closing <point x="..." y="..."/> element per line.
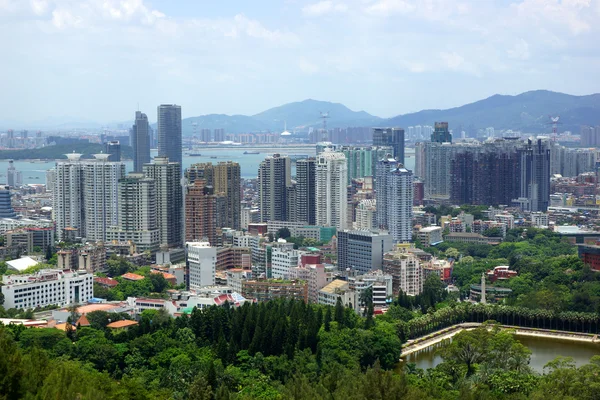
<point x="201" y="261"/>
<point x="332" y="196"/>
<point x="67" y="197"/>
<point x="400" y="203"/>
<point x="384" y="167"/>
<point x="85" y="195"/>
<point x="137" y="218"/>
<point x="100" y="195"/>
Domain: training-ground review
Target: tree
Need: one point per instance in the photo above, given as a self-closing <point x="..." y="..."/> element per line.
<point x="283" y="233"/>
<point x="339" y="312"/>
<point x="452" y="253"/>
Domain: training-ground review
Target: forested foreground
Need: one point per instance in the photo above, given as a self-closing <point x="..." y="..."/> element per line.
<point x="275" y="350"/>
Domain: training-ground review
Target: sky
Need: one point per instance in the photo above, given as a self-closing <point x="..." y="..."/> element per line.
<point x="98" y="60"/>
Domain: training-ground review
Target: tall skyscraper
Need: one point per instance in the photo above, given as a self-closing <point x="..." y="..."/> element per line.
<point x="100" y="195"/>
<point x="137" y="220"/>
<point x="332" y="190"/>
<point x="203" y="211"/>
<point x="534" y="176"/>
<point x="384" y="167"/>
<point x="400" y="204"/>
<point x="441" y="134"/>
<point x="169" y="132"/>
<point x="6" y="210"/>
<point x="113" y="149"/>
<point x="306" y="190"/>
<point x="225" y="179"/>
<point x="139" y="139"/>
<point x="393" y="137"/>
<point x="67" y="197"/>
<point x="169" y="199"/>
<point x="274" y="178"/>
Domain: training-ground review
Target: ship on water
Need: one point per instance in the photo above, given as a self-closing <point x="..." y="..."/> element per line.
<point x="251" y="152"/>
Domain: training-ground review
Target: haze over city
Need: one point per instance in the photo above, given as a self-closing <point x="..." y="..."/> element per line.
<point x="97" y="60"/>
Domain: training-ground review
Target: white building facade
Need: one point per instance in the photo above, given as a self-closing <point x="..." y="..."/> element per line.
<point x="47" y="287"/>
<point x="331" y="194"/>
<point x="400" y="204"/>
<point x="201" y="261"/>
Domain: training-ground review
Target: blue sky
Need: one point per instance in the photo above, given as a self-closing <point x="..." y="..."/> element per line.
<point x="97" y="59"/>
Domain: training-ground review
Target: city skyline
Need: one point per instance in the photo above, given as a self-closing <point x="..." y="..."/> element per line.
<point x="186" y="48"/>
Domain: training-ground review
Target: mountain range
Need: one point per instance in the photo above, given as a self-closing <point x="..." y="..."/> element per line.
<point x="527" y="112"/>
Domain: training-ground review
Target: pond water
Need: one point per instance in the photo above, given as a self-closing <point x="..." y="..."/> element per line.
<point x="543" y="350"/>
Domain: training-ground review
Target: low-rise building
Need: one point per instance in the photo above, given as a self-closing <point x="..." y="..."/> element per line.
<point x="315" y="275"/>
<point x="540" y="220"/>
<point x="337" y="288"/>
<point x="470" y="237"/>
<point x="29" y="238"/>
<point x="440" y="267"/>
<point x="21" y="264"/>
<point x="47" y="287"/>
<point x="269" y="289"/>
<point x="283" y="259"/>
<point x="501" y="272"/>
<point x="430" y="236"/>
<point x="92" y="258"/>
<point x="493" y="294"/>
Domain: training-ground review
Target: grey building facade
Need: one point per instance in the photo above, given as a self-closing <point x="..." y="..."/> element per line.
<point x="169" y="132"/>
<point x="393" y="137"/>
<point x="139" y="139"/>
<point x="362" y="251"/>
<point x="306" y="190"/>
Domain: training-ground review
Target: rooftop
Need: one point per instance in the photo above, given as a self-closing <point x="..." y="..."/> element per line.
<point x="132" y="277"/>
<point x="121" y="324"/>
<point x="21" y="264"/>
<point x="335" y="286"/>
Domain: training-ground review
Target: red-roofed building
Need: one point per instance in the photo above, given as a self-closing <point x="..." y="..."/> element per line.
<point x="501" y="272"/>
<point x="132" y="277"/>
<point x="172" y="279"/>
<point x="83" y="321"/>
<point x="106" y="282"/>
<point x="122" y="325"/>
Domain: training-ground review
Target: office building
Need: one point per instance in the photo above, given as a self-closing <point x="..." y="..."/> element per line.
<point x="332" y="191"/>
<point x="139" y="139"/>
<point x="393" y="137"/>
<point x="47" y="287"/>
<point x="384" y="167"/>
<point x="441" y="134"/>
<point x="6" y="209"/>
<point x="400" y="204"/>
<point x="306" y="209"/>
<point x="362" y="251"/>
<point x="169" y="132"/>
<point x="201" y="261"/>
<point x="274" y="178"/>
<point x="100" y="195"/>
<point x="169" y="199"/>
<point x="204" y="212"/>
<point x="113" y="149"/>
<point x="137" y="219"/>
<point x="14" y="178"/>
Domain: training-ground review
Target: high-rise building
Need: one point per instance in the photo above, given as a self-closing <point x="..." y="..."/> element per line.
<point x="441" y="134"/>
<point x="384" y="167"/>
<point x="362" y="251"/>
<point x="50" y="179"/>
<point x="400" y="204"/>
<point x="169" y="196"/>
<point x="366" y="213"/>
<point x="139" y="139"/>
<point x="205" y="135"/>
<point x="6" y="210"/>
<point x="393" y="137"/>
<point x="137" y="219"/>
<point x="67" y="197"/>
<point x="274" y="178"/>
<point x="203" y="211"/>
<point x="113" y="149"/>
<point x="306" y="187"/>
<point x="100" y="195"/>
<point x="219" y="135"/>
<point x="225" y="179"/>
<point x="534" y="178"/>
<point x="14" y="178"/>
<point x="332" y="190"/>
<point x="201" y="262"/>
<point x="362" y="161"/>
<point x="169" y="132"/>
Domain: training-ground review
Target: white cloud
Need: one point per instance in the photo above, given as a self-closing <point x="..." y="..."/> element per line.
<point x="39" y="7"/>
<point x="323" y="8"/>
<point x="388" y="7"/>
<point x="520" y="50"/>
<point x="307" y="67"/>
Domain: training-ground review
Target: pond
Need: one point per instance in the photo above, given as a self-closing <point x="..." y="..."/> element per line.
<point x="543" y="350"/>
